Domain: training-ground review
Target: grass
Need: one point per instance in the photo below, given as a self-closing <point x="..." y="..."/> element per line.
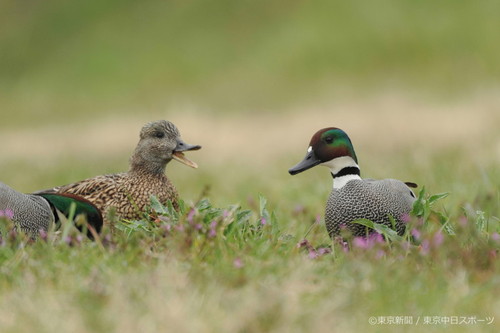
<point x="253" y="267"/>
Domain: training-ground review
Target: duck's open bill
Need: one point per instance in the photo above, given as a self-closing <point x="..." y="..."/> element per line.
<point x="179" y="156"/>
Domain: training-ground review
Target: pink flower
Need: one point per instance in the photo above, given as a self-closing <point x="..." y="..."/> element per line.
<point x="8" y="213"/>
<point x="43" y="234"/>
<point x="238" y="263"/>
<point x="263" y="221"/>
<point x="425" y="247"/>
<point x="361" y="242"/>
<point x="368" y="242"/>
<point x="304" y="243"/>
<point x="380" y="254"/>
<point x="190" y="215"/>
<point x="68" y="240"/>
<point x="301" y="243"/>
<point x="438" y="239"/>
<point x="495" y="236"/>
<point x="324" y="250"/>
<point x="376" y="237"/>
<point x="415" y="233"/>
<point x="343" y="243"/>
<point x="312" y="254"/>
<point x="213" y="232"/>
<point x="405" y="218"/>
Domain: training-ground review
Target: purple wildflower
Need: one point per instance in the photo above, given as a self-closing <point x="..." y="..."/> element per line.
<point x="368" y="242"/>
<point x="343" y="243"/>
<point x="213" y="232"/>
<point x="495" y="236"/>
<point x="304" y="243"/>
<point x="79" y="238"/>
<point x="190" y="215"/>
<point x="324" y="250"/>
<point x="43" y="234"/>
<point x="425" y="247"/>
<point x="67" y="240"/>
<point x="376" y="237"/>
<point x="198" y="226"/>
<point x="380" y="254"/>
<point x="238" y="263"/>
<point x="405" y="218"/>
<point x="225" y="213"/>
<point x="166" y="228"/>
<point x="313" y="254"/>
<point x="415" y="233"/>
<point x="263" y="221"/>
<point x="361" y="242"/>
<point x="9" y="213"/>
<point x="438" y="239"/>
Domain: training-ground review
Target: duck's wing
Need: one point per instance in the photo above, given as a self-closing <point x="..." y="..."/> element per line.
<point x="86" y="187"/>
<point x="63" y="202"/>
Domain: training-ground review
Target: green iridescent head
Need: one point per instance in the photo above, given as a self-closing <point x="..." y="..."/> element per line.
<point x="325" y="145"/>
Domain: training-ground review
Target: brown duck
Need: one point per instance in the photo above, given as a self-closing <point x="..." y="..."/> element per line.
<point x="130" y="192"/>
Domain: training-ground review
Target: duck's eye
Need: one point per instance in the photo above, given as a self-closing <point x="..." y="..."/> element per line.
<point x="159" y="135"/>
<point x="329" y="139"/>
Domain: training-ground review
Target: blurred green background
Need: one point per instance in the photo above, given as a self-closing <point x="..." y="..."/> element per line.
<point x="79" y="59"/>
<point x="249" y="80"/>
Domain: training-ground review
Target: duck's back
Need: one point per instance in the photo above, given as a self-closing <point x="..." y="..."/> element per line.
<point x="374" y="200"/>
<point x="127" y="193"/>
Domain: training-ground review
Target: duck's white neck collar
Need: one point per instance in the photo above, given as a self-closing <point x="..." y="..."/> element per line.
<point x="343" y="169"/>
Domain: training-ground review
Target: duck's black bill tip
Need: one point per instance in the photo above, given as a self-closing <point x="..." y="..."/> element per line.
<point x="194" y="147"/>
<point x="308" y="162"/>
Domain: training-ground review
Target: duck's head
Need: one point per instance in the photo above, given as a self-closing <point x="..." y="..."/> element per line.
<point x="330" y="147"/>
<point x="159" y="143"/>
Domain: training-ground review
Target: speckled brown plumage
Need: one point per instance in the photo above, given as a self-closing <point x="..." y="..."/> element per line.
<point x="129" y="193"/>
